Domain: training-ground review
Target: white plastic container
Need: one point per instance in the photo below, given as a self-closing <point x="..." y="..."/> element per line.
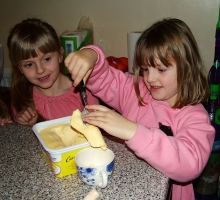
<point x="61" y="161"/>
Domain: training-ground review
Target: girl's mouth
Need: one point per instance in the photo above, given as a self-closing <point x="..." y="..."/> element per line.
<point x="155" y="88"/>
<point x="43" y="79"/>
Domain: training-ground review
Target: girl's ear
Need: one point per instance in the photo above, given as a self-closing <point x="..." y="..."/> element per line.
<point x="61" y="54"/>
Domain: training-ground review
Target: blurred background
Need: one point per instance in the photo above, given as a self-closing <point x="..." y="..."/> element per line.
<point x="113" y="19"/>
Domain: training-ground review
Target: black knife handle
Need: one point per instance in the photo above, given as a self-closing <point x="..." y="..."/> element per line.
<point x="83" y="91"/>
<point x="82" y="86"/>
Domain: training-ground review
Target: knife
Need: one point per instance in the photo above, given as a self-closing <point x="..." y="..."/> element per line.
<point x="83" y="95"/>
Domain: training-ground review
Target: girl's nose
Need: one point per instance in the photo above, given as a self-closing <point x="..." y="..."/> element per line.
<point x="39" y="68"/>
<point x="151" y="77"/>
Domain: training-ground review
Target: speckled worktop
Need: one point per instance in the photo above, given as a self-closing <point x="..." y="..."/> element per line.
<point x="25" y="175"/>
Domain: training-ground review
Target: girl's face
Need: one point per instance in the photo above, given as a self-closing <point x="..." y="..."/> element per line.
<point x="161" y="81"/>
<point x="43" y="70"/>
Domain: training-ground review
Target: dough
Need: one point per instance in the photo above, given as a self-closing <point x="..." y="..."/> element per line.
<point x="92" y="133"/>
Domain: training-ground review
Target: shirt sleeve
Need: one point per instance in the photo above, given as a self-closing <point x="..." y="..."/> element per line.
<point x="111" y="85"/>
<point x="183" y="156"/>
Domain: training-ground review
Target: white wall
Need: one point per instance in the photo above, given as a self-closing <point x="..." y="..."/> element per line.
<point x="113" y="19"/>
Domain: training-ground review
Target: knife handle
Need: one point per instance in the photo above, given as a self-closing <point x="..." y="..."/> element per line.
<point x="83" y="91"/>
<point x="82" y="86"/>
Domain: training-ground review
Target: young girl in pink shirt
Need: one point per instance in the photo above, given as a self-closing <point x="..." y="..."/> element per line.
<point x="39" y="90"/>
<point x="161" y="116"/>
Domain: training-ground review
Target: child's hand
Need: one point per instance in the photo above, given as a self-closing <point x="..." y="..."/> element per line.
<point x="4" y="121"/>
<point x="80" y="64"/>
<point x="112" y="122"/>
<point x="27" y="116"/>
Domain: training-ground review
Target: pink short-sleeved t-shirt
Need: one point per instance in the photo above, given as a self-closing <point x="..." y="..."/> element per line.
<point x="51" y="107"/>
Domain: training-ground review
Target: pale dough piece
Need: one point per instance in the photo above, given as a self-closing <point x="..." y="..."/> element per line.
<point x="92" y="133"/>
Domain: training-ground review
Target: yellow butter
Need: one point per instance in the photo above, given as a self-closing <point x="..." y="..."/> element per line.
<point x="61" y="136"/>
<point x="92" y="133"/>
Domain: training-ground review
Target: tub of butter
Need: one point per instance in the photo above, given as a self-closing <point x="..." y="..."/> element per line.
<point x="60" y="143"/>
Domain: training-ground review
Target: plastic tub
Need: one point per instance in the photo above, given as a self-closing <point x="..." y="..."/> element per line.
<point x="61" y="161"/>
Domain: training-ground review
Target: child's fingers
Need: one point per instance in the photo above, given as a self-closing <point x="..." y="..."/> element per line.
<point x="97" y="108"/>
<point x="26" y="115"/>
<point x="79" y="65"/>
<point x="99" y="116"/>
<point x="31" y="111"/>
<point x="76" y="75"/>
<point x="5" y="121"/>
<point x="68" y="59"/>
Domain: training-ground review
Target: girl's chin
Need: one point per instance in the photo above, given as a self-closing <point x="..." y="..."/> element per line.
<point x="42" y="87"/>
<point x="157" y="98"/>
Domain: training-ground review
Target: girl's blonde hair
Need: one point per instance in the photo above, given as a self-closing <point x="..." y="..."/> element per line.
<point x="24" y="39"/>
<point x="172" y="39"/>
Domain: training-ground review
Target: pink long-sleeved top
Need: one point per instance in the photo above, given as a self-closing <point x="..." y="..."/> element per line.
<point x="61" y="106"/>
<point x="180" y="157"/>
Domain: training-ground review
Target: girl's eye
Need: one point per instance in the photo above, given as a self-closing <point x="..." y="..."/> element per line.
<point x="161" y="70"/>
<point x="27" y="65"/>
<point x="47" y="59"/>
<point x="144" y="69"/>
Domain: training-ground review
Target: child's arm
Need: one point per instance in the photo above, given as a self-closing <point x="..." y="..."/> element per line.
<point x="181" y="157"/>
<point x="80" y="64"/>
<point x="111" y="85"/>
<point x="27" y="116"/>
